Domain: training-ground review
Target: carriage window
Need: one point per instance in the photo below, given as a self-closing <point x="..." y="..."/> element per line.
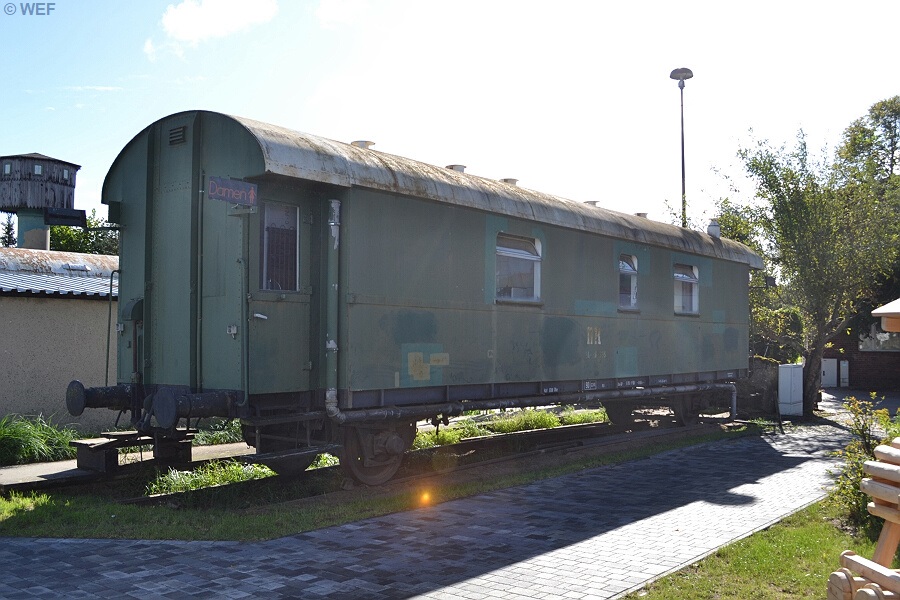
<point x="38" y="169"/>
<point x="518" y="268"/>
<point x="687" y="289"/>
<point x="279" y="260"/>
<point x="627" y="281"/>
<point x="7" y="168"/>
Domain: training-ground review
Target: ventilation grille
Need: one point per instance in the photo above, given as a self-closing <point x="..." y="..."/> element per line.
<point x="178" y="135"/>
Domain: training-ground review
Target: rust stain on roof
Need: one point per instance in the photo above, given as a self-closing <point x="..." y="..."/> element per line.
<point x="74" y="264"/>
<point x="41" y="272"/>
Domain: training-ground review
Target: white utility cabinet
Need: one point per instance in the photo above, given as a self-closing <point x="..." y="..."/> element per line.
<point x="790" y="390"/>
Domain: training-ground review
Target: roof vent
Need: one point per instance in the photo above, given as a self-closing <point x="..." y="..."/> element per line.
<point x="713" y="229"/>
<point x="364" y="144"/>
<point x="457" y="168"/>
<point x="642" y="215"/>
<point x="509" y="180"/>
<point x="76" y="267"/>
<point x="178" y="135"/>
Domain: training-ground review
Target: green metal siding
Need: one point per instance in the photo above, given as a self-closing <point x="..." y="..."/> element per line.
<point x="169" y="297"/>
<point x="420" y="309"/>
<point x="126" y="187"/>
<point x="417" y="281"/>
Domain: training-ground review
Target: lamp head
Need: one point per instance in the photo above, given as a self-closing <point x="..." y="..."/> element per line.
<point x="681" y="74"/>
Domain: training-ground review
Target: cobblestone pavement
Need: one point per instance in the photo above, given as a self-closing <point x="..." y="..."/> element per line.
<point x="595" y="534"/>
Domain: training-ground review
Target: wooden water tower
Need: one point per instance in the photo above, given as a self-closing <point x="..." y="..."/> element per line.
<point x="39" y="189"/>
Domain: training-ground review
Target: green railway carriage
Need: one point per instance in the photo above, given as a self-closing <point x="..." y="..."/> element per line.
<point x="330" y="295"/>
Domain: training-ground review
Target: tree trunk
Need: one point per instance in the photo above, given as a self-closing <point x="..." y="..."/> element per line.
<point x="812" y="378"/>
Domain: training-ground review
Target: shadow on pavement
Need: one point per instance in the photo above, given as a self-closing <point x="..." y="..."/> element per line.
<point x="420" y="551"/>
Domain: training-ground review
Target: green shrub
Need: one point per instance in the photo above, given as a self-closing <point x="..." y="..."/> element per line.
<point x="445" y="436"/>
<point x="523" y="420"/>
<point x="217" y="472"/>
<point x="570" y="417"/>
<point x="32" y="439"/>
<point x="505" y="422"/>
<point x="324" y="460"/>
<point x="869" y="427"/>
<point x="220" y="432"/>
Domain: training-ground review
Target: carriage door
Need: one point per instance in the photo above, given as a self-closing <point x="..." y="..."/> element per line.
<point x="279" y="307"/>
<point x="223" y="234"/>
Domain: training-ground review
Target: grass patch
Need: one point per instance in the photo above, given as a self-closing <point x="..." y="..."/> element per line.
<point x="789" y="560"/>
<point x="219" y="432"/>
<point x="33" y="439"/>
<point x="241" y="514"/>
<point x="446" y="436"/>
<point x="572" y="417"/>
<point x="522" y="420"/>
<point x="505" y="422"/>
<point x="213" y="473"/>
<point x="324" y="460"/>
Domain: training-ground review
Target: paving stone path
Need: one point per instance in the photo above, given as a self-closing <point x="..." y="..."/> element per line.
<point x="595" y="534"/>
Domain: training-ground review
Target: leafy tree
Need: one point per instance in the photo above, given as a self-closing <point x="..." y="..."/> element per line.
<point x="828" y="233"/>
<point x="870" y="151"/>
<point x="871" y="144"/>
<point x="8" y="232"/>
<point x="93" y="240"/>
<point x="775" y="330"/>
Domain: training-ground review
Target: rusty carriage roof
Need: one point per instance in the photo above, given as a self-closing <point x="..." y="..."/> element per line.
<point x="293" y="154"/>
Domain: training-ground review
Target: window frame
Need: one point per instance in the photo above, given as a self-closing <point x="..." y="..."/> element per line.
<point x="630" y="271"/>
<point x="509" y="252"/>
<point x="265" y="243"/>
<point x="38" y="169"/>
<point x="689" y="276"/>
<point x="878" y="340"/>
<point x="7" y="168"/>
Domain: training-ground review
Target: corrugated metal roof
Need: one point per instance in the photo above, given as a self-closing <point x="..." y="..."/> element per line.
<point x="48" y="272"/>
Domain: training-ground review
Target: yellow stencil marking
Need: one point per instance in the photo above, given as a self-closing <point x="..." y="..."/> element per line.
<point x="418" y="369"/>
<point x="439" y="360"/>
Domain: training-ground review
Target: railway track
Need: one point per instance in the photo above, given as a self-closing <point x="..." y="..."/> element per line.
<point x="557" y="445"/>
<point x="490" y="452"/>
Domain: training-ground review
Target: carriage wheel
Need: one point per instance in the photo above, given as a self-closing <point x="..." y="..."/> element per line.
<point x="685" y="412"/>
<point x="619" y="413"/>
<point x="372" y="456"/>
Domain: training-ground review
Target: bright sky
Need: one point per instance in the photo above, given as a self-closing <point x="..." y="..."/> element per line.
<point x="571" y="97"/>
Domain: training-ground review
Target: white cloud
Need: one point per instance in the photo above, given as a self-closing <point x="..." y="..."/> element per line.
<point x="93" y="88"/>
<point x="332" y="13"/>
<point x="195" y="21"/>
<point x="150" y="50"/>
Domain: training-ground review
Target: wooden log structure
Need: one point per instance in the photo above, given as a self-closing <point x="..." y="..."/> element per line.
<point x="861" y="578"/>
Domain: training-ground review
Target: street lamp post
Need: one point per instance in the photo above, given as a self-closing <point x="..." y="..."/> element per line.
<point x="682" y="74"/>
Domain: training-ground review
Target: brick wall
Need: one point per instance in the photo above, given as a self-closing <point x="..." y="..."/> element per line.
<point x="875" y="371"/>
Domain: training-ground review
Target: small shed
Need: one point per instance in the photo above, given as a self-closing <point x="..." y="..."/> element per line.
<point x="55" y="312"/>
<point x="867" y="358"/>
